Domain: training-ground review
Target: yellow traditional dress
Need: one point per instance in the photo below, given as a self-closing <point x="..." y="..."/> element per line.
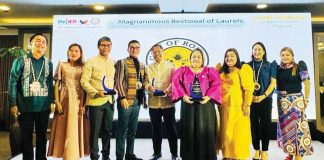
<point x="235" y="127"/>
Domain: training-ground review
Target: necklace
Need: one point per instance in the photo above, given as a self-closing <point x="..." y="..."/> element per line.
<point x="257" y="85"/>
<point x="35" y="86"/>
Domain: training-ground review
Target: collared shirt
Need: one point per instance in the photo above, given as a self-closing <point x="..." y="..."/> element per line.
<point x="25" y="70"/>
<point x="162" y="74"/>
<point x="91" y="80"/>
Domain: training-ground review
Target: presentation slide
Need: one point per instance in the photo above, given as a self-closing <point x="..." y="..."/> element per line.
<point x="181" y="33"/>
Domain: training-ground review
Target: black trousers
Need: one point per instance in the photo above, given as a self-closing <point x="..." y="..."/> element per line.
<point x="27" y="121"/>
<point x="100" y="120"/>
<point x="261" y="123"/>
<point x="171" y="132"/>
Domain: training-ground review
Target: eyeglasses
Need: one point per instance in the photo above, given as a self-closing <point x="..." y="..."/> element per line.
<point x="105" y="45"/>
<point x="137" y="48"/>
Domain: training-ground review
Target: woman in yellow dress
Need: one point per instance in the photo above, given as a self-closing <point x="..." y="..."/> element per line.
<point x="237" y="93"/>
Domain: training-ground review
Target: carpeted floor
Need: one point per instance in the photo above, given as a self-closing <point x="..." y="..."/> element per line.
<point x="5" y="152"/>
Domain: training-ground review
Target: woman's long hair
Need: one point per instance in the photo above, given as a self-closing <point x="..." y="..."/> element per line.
<point x="225" y="67"/>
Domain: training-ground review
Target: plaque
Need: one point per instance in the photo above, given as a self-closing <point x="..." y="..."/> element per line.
<point x="157" y="92"/>
<point x="106" y="89"/>
<point x="195" y="90"/>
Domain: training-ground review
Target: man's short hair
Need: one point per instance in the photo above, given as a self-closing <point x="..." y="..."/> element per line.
<point x="105" y="38"/>
<point x="156" y="45"/>
<point x="37" y="34"/>
<point x="133" y="41"/>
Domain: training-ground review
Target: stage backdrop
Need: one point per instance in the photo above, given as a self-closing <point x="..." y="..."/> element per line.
<point x="180" y="33"/>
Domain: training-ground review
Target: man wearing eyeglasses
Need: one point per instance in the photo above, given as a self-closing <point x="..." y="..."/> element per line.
<point x="101" y="106"/>
<point x="129" y="84"/>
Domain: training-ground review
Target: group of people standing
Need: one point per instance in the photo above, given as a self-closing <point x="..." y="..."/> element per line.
<point x="84" y="108"/>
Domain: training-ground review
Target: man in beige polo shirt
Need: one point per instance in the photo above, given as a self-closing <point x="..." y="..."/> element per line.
<point x="101" y="106"/>
<point x="160" y="73"/>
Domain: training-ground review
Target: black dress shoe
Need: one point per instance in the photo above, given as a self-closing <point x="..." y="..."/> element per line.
<point x="156" y="156"/>
<point x="175" y="157"/>
<point x="132" y="157"/>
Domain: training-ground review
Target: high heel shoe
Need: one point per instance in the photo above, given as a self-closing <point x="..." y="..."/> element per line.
<point x="264" y="155"/>
<point x="256" y="155"/>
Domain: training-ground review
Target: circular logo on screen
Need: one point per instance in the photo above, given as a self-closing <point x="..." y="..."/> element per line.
<point x="95" y="21"/>
<point x="177" y="51"/>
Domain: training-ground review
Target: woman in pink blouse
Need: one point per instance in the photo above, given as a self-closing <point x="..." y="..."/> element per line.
<point x="199" y="89"/>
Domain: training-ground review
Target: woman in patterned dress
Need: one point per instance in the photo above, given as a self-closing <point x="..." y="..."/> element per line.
<point x="70" y="127"/>
<point x="293" y="134"/>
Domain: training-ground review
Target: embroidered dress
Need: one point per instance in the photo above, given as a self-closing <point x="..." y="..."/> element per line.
<point x="293" y="134"/>
<point x="70" y="130"/>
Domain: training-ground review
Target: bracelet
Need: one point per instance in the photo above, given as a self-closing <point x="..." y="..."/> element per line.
<point x="56" y="101"/>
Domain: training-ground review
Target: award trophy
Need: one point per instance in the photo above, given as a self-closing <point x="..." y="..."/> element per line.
<point x="195" y="91"/>
<point x="157" y="92"/>
<point x="107" y="90"/>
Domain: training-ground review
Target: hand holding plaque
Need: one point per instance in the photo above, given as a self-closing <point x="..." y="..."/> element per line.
<point x="157" y="92"/>
<point x="107" y="90"/>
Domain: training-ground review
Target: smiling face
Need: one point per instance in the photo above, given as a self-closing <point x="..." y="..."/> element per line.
<point x="74" y="53"/>
<point x="258" y="52"/>
<point x="39" y="44"/>
<point x="104" y="48"/>
<point x="157" y="53"/>
<point x="286" y="57"/>
<point x="230" y="59"/>
<point x="134" y="49"/>
<point x="196" y="59"/>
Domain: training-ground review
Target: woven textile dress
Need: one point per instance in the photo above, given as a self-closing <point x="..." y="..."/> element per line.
<point x="293" y="134"/>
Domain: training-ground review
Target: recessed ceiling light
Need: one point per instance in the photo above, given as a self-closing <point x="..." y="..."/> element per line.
<point x="261" y="6"/>
<point x="4" y="8"/>
<point x="99" y="7"/>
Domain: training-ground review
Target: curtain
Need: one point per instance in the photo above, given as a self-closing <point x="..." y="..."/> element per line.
<point x="5" y="66"/>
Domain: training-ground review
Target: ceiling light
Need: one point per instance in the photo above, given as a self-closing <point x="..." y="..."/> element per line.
<point x="261" y="6"/>
<point x="99" y="7"/>
<point x="4" y="8"/>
